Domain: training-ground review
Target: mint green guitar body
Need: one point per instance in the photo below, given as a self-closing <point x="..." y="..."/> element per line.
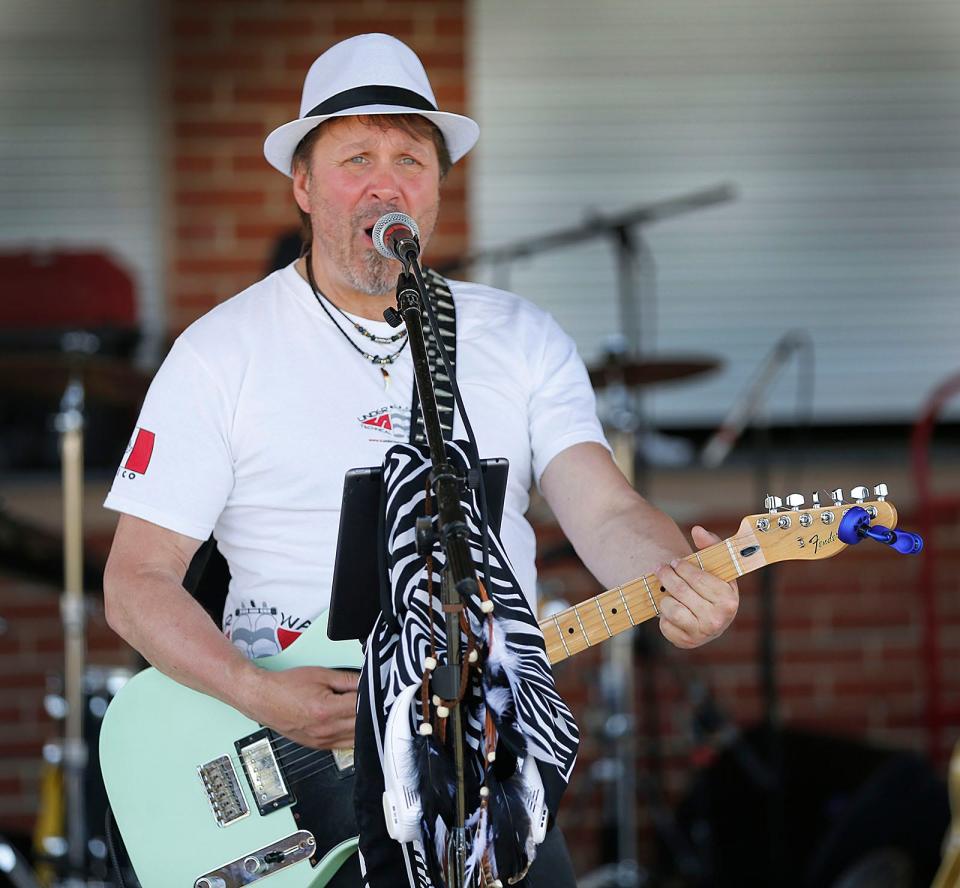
<point x="155" y="736"/>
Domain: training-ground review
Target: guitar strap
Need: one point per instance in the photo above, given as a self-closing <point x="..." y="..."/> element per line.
<point x="438" y="292"/>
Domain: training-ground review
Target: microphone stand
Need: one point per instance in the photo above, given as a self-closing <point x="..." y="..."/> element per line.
<point x="451" y="530"/>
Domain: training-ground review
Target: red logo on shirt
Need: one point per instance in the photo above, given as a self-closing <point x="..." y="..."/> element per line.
<point x="286" y="637"/>
<point x="140" y="452"/>
<point x="382" y="421"/>
<point x="390" y="423"/>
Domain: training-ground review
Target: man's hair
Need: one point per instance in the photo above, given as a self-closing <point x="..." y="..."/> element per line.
<point x="414" y="125"/>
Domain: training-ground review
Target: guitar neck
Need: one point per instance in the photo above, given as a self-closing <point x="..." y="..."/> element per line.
<point x="623" y="607"/>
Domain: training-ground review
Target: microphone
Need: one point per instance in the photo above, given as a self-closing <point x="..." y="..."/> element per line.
<point x="397" y="236"/>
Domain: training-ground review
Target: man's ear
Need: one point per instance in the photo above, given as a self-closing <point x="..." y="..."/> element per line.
<point x="301" y="183"/>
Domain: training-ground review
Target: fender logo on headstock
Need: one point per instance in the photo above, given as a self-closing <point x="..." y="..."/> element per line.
<point x="818" y="542"/>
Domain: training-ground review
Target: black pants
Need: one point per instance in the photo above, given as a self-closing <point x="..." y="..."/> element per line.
<point x="551" y="869"/>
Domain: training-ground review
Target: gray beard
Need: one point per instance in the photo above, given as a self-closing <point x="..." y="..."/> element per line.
<point x="375" y="277"/>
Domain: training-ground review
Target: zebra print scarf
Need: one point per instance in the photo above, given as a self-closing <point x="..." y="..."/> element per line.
<point x="514" y="689"/>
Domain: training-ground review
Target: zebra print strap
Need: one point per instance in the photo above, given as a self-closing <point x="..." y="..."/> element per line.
<point x="438" y="292"/>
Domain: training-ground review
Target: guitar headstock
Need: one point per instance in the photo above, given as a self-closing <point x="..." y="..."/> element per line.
<point x="791" y="530"/>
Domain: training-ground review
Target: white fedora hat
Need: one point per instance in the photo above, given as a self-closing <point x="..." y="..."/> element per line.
<point x="368" y="74"/>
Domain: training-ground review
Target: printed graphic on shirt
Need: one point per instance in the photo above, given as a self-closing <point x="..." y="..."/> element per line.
<point x="136" y="458"/>
<point x="390" y="423"/>
<point x="261" y="630"/>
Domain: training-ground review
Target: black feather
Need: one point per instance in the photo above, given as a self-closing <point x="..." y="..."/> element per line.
<point x="437" y="783"/>
<point x="512" y="850"/>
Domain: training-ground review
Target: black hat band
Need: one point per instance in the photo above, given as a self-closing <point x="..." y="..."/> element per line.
<point x="371" y="95"/>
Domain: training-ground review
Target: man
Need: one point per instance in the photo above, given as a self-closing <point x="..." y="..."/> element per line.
<point x="264" y="402"/>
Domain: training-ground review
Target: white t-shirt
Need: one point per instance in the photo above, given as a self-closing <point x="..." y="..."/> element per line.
<point x="262" y="406"/>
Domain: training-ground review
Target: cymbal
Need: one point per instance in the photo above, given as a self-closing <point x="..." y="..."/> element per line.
<point x="45" y="375"/>
<point x="648" y="371"/>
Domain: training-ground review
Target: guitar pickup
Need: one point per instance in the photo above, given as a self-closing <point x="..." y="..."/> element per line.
<point x="263" y="772"/>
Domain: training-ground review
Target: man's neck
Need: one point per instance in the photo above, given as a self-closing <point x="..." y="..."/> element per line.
<point x="345" y="297"/>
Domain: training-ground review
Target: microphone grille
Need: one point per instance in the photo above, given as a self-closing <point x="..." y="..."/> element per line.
<point x="385" y="222"/>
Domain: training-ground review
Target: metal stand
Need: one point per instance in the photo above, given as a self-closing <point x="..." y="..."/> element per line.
<point x="14" y="868"/>
<point x="459" y="578"/>
<point x="620" y="727"/>
<point x="69" y="424"/>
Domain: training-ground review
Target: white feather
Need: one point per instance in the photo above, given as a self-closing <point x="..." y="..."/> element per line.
<point x="480" y="840"/>
<point x="501" y="657"/>
<point x="498" y="699"/>
<point x="440" y="836"/>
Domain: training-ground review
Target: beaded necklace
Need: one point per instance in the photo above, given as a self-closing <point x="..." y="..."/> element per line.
<point x="377" y="360"/>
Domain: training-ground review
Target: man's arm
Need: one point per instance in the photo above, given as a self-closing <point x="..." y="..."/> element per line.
<point x="620" y="536"/>
<point x="148" y="607"/>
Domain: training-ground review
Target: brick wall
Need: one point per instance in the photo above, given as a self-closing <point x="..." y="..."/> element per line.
<point x="236" y="71"/>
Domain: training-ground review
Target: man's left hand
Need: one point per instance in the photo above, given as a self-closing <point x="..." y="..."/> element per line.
<point x="699" y="606"/>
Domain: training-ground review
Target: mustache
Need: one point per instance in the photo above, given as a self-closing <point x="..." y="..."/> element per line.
<point x="371" y="213"/>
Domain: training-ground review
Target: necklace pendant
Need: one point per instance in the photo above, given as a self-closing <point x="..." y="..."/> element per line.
<point x="386" y="378"/>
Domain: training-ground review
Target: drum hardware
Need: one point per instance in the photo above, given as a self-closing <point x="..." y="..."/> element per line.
<point x="69" y="837"/>
<point x="45" y="376"/>
<point x="13" y="866"/>
<point x="615" y="369"/>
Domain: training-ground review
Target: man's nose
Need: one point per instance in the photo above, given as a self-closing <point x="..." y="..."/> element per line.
<point x="384" y="184"/>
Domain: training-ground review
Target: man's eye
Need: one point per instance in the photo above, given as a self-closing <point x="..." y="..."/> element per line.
<point x="409" y="161"/>
<point x="358" y="159"/>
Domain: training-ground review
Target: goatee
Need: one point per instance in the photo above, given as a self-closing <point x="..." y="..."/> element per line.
<point x="374" y="277"/>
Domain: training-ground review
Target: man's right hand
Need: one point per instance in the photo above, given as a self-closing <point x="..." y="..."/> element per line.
<point x="311" y="705"/>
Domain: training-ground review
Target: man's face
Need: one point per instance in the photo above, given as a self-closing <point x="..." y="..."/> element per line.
<point x="358" y="172"/>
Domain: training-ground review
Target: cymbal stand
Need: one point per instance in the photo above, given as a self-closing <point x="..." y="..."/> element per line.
<point x="619" y="770"/>
<point x="69" y="425"/>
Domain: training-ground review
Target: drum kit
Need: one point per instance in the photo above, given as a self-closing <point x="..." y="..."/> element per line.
<point x="70" y="844"/>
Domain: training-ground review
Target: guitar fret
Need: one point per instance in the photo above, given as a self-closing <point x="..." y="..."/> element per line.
<point x="576" y="611"/>
<point x="603" y="617"/>
<point x="652" y="600"/>
<point x="699" y="561"/>
<point x="563" y="641"/>
<point x="734" y="559"/>
<point x="626" y="606"/>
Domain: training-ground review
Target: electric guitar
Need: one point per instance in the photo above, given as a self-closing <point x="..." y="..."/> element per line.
<point x="206" y="797"/>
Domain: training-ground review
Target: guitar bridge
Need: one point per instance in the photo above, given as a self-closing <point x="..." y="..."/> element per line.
<point x="263" y="772"/>
<point x="223" y="791"/>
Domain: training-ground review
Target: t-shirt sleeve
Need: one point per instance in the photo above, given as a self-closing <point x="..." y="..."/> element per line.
<point x="563" y="409"/>
<point x="177" y="470"/>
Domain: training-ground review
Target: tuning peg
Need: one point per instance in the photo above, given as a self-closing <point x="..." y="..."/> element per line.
<point x="860" y="493"/>
<point x="772" y="503"/>
<point x="795" y="501"/>
<point x="880" y="492"/>
<point x="837" y="496"/>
